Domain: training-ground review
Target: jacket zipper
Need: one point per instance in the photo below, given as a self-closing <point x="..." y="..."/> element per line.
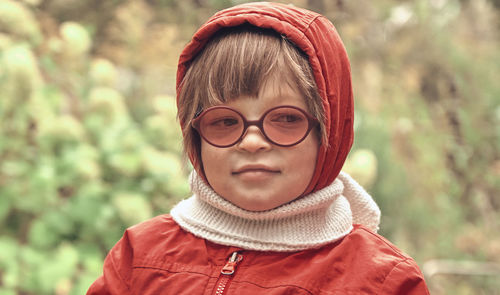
<point x="226" y="274"/>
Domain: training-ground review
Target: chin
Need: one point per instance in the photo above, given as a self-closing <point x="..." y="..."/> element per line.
<point x="258" y="206"/>
<point x="257" y="209"/>
<point x="250" y="205"/>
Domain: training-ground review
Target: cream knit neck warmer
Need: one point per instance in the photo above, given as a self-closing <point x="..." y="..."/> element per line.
<point x="309" y="222"/>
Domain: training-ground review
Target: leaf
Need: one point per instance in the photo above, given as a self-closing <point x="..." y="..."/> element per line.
<point x="41" y="235"/>
<point x="103" y="72"/>
<point x="16" y="19"/>
<point x="9" y="264"/>
<point x="76" y="40"/>
<point x="6" y="291"/>
<point x="126" y="163"/>
<point x="31" y="261"/>
<point x="58" y="268"/>
<point x="132" y="208"/>
<point x="82" y="284"/>
<point x="4" y="207"/>
<point x="362" y="166"/>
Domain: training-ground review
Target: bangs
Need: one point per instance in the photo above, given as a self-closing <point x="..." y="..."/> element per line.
<point x="239" y="61"/>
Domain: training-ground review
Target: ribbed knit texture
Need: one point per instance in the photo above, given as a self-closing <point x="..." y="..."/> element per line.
<point x="311" y="221"/>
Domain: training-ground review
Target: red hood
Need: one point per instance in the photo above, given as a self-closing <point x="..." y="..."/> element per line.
<point x="318" y="38"/>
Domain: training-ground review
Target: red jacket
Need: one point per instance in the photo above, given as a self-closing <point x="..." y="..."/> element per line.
<point x="158" y="257"/>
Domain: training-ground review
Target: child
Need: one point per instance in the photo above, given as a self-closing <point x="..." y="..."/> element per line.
<point x="266" y="108"/>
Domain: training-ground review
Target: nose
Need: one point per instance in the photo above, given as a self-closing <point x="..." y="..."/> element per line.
<point x="253" y="141"/>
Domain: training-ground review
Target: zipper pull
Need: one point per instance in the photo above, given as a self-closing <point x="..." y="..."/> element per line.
<point x="226" y="275"/>
<point x="230" y="266"/>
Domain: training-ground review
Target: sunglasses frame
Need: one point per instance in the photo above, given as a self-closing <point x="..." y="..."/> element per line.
<point x="311" y="123"/>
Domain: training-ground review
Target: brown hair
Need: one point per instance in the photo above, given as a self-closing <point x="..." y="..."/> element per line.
<point x="239" y="61"/>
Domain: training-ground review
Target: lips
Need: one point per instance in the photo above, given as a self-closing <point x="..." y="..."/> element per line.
<point x="255" y="168"/>
<point x="255" y="174"/>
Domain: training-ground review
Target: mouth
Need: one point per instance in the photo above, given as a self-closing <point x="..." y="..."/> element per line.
<point x="247" y="169"/>
<point x="256" y="173"/>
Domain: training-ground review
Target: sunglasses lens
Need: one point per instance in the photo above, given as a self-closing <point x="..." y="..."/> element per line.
<point x="285" y="125"/>
<point x="221" y="127"/>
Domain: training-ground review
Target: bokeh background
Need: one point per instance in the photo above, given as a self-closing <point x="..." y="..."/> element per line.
<point x="89" y="142"/>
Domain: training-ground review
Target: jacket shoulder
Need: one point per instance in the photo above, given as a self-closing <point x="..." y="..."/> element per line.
<point x="396" y="271"/>
<point x="158" y="224"/>
<point x="153" y="236"/>
<point x="141" y="244"/>
<point x="367" y="238"/>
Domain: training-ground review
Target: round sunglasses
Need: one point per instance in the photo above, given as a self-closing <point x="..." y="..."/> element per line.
<point x="284" y="126"/>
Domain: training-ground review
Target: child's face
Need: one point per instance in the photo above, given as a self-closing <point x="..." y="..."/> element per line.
<point x="255" y="174"/>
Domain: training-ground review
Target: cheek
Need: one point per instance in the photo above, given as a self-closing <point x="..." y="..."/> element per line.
<point x="207" y="155"/>
<point x="306" y="157"/>
<point x="212" y="159"/>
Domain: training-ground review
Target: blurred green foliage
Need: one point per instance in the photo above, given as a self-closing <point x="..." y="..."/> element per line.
<point x="89" y="143"/>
